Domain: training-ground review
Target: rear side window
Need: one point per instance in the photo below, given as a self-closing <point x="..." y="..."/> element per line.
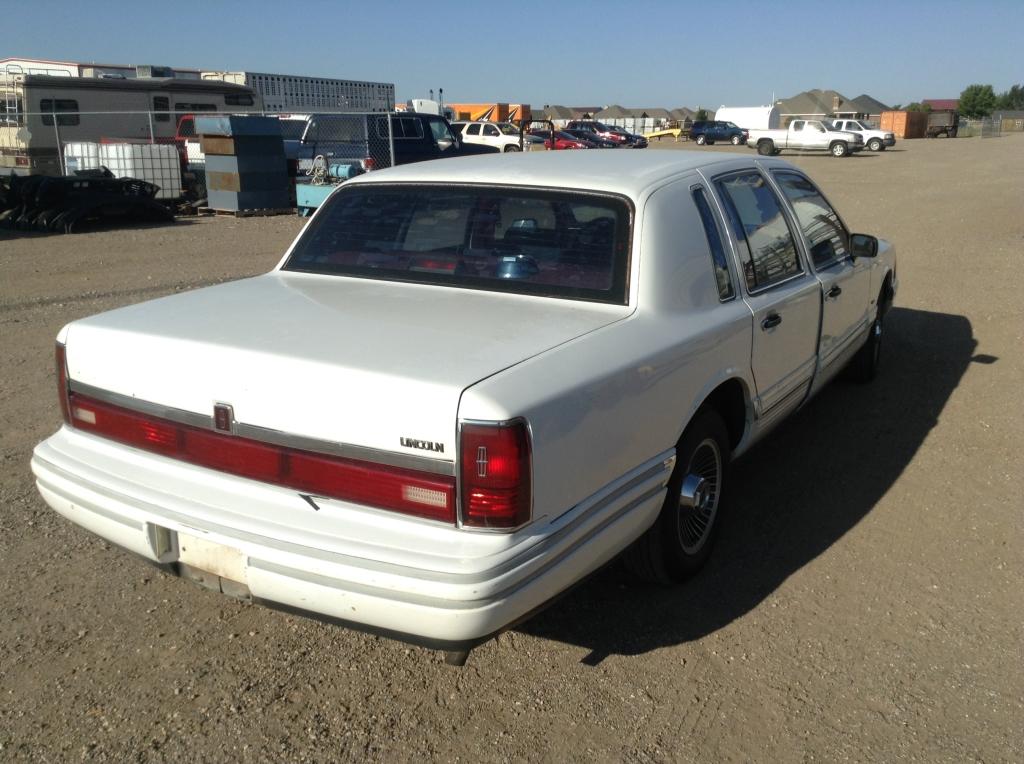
<point x="715" y="244"/>
<point x="766" y="246"/>
<point x="473" y="130"/>
<point x="555" y="244"/>
<point x="826" y="235"/>
<point x="62" y="107"/>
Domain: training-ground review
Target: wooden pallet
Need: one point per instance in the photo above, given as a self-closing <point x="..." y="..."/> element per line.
<point x="246" y="213"/>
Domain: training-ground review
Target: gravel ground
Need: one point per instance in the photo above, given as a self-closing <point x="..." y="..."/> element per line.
<point x="864" y="602"/>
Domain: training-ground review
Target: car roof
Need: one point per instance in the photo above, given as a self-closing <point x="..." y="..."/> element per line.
<point x="623" y="172"/>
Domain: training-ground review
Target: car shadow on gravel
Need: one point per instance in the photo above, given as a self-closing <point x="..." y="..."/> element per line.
<point x="792" y="497"/>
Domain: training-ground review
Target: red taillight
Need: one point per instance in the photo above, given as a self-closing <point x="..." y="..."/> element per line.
<point x="368" y="164"/>
<point x="62" y="382"/>
<point x="21" y="161"/>
<point x="407" y="491"/>
<point x="495" y="481"/>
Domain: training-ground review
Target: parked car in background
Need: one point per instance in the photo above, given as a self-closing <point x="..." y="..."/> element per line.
<point x="567" y="353"/>
<point x="502" y="135"/>
<point x="592" y="138"/>
<point x="944" y="122"/>
<point x="563" y="140"/>
<point x="806" y="135"/>
<point x="601" y="129"/>
<point x="632" y="139"/>
<point x="874" y="140"/>
<point x="712" y="131"/>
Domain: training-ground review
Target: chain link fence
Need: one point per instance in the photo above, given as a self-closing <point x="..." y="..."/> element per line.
<point x="162" y="147"/>
<point x="985" y="128"/>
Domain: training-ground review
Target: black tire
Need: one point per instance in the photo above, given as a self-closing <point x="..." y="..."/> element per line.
<point x="680" y="541"/>
<point x="511" y="147"/>
<point x="700" y="140"/>
<point x="765" y="148"/>
<point x="865" y="364"/>
<point x="839" y="149"/>
<point x="875" y="145"/>
<point x="735" y="140"/>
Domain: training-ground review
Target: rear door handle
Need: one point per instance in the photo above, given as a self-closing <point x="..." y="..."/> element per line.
<point x="771" y="321"/>
<point x="834" y="292"/>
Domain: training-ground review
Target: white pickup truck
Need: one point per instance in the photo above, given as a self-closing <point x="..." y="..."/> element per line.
<point x="467" y="385"/>
<point x="806" y="135"/>
<point x="875" y="140"/>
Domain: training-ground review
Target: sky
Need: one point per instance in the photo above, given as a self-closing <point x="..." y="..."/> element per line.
<point x="568" y="52"/>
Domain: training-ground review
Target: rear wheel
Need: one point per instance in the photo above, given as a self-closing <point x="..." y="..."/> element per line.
<point x="839" y="149"/>
<point x="680" y="540"/>
<point x="701" y="140"/>
<point x="735" y="140"/>
<point x="875" y="145"/>
<point x="765" y="148"/>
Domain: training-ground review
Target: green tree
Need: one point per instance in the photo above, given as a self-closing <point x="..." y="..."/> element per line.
<point x="702" y="114"/>
<point x="1012" y="99"/>
<point x="977" y="101"/>
<point x="915" y="106"/>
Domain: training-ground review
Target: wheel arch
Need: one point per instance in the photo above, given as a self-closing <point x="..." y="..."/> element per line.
<point x="731" y="400"/>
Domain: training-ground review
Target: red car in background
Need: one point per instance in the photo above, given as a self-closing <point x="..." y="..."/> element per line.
<point x="601" y="129"/>
<point x="562" y="140"/>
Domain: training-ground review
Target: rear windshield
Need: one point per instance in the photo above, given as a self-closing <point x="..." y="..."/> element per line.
<point x="556" y="244"/>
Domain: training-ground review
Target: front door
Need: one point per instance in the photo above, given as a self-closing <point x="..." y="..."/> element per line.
<point x="845" y="283"/>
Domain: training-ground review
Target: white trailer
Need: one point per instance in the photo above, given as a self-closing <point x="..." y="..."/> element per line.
<point x="750" y="117"/>
<point x="39" y="114"/>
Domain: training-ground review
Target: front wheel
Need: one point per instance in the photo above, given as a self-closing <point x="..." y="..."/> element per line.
<point x="875" y="145"/>
<point x="735" y="140"/>
<point x="680" y="541"/>
<point x="839" y="149"/>
<point x="865" y="364"/>
<point x="701" y="140"/>
<point x="511" y="147"/>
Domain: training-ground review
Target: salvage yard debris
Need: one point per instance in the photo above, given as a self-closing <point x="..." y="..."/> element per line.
<point x="40" y="203"/>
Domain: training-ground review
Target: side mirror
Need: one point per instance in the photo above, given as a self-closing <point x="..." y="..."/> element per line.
<point x="863" y="245"/>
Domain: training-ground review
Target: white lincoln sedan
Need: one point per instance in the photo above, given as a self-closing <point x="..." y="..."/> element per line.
<point x="467" y="385"/>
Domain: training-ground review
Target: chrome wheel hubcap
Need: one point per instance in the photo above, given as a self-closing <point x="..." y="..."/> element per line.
<point x="698" y="496"/>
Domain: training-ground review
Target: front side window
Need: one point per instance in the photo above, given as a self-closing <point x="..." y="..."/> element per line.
<point x="554" y="244"/>
<point x="825" y="233"/>
<point x="61" y="107"/>
<point x="715" y="244"/>
<point x="766" y="246"/>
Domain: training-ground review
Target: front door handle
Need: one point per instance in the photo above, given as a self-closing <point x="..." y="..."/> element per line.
<point x="771" y="321"/>
<point x="834" y="292"/>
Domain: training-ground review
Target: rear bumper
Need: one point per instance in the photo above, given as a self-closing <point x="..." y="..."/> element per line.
<point x="444" y="588"/>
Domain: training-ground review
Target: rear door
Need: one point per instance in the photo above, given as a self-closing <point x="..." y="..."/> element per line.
<point x="782" y="293"/>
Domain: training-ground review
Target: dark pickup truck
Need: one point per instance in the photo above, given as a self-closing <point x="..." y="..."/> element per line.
<point x="366" y="140"/>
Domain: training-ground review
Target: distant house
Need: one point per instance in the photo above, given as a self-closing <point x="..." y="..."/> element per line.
<point x="557" y="114"/>
<point x="939" y="104"/>
<point x="811" y="104"/>
<point x="818" y="104"/>
<point x="868" y="107"/>
<point x="682" y="114"/>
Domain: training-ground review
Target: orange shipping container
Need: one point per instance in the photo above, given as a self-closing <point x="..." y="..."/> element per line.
<point x="905" y="124"/>
<point x="492" y="112"/>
